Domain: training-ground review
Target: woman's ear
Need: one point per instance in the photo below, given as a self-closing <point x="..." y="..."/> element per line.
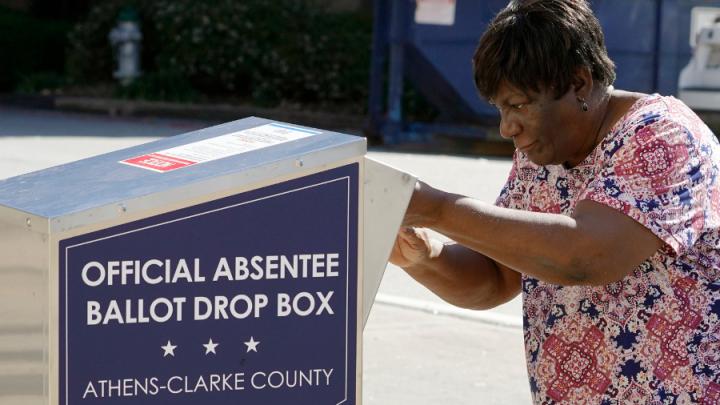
<point x="582" y="83"/>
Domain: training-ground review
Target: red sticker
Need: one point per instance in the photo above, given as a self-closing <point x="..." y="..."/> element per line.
<point x="159" y="163"/>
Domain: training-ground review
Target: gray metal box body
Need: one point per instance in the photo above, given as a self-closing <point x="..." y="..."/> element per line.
<point x="38" y="210"/>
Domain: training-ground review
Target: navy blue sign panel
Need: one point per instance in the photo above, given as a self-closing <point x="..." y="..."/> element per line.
<point x="249" y="299"/>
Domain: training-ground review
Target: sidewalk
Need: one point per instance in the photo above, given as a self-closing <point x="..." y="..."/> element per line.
<point x="419" y="359"/>
<point x="418" y="350"/>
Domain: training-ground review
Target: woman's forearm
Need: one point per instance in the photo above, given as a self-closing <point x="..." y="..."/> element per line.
<point x="466" y="278"/>
<point x="538" y="244"/>
<point x="597" y="246"/>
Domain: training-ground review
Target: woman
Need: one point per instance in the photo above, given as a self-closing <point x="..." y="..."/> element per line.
<point x="609" y="223"/>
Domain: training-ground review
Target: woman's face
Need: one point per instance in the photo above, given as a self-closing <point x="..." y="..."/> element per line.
<point x="547" y="130"/>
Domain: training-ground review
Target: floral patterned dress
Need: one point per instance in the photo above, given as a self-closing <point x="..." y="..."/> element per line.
<point x="654" y="336"/>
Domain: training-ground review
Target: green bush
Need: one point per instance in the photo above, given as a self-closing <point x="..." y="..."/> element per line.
<point x="40" y="83"/>
<point x="270" y="52"/>
<point x="29" y="45"/>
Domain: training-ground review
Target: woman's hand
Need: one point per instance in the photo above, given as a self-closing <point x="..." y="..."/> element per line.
<point x="414" y="246"/>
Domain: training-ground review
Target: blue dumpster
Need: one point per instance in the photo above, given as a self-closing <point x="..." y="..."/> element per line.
<point x="647" y="39"/>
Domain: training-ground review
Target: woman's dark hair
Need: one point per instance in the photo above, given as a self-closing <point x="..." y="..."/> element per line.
<point x="538" y="45"/>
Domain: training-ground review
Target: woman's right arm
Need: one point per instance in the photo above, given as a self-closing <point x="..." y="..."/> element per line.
<point x="458" y="275"/>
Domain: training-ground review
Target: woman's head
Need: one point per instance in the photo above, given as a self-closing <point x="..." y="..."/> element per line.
<point x="544" y="64"/>
<point x="538" y="45"/>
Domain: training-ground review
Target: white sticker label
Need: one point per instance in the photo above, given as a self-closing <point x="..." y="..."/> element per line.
<point x="435" y="12"/>
<point x="219" y="147"/>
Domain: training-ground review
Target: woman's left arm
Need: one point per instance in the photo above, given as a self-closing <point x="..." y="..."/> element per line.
<point x="596" y="246"/>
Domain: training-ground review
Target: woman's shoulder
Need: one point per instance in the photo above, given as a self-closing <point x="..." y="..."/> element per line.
<point x="653" y="119"/>
<point x="645" y="109"/>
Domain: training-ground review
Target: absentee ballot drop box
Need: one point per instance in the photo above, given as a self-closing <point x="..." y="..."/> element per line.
<point x="231" y="265"/>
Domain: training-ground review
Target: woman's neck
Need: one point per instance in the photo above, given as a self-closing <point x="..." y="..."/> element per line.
<point x="603" y="104"/>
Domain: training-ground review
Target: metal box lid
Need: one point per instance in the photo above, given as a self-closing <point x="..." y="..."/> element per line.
<point x="104" y="180"/>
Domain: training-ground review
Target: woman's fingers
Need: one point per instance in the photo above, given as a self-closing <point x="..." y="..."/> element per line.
<point x="412" y="237"/>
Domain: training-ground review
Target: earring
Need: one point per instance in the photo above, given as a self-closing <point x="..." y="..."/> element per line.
<point x="583" y="104"/>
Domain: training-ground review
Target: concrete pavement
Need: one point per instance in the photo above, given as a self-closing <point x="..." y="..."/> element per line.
<point x="417" y="349"/>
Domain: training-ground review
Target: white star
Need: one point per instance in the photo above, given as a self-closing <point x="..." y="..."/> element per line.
<point x="210" y="347"/>
<point x="252" y="345"/>
<point x="169" y="349"/>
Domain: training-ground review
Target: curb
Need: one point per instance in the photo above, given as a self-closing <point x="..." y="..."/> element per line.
<point x="486" y="317"/>
<point x="348" y="123"/>
<point x="221" y="112"/>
